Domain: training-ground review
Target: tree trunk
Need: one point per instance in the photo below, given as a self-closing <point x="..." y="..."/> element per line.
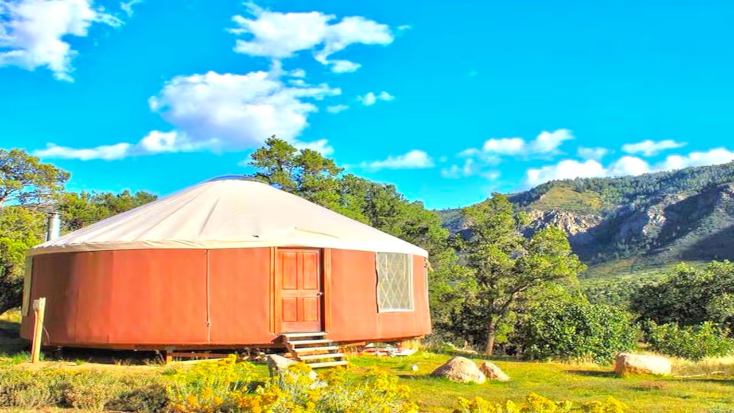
<point x="491" y="332"/>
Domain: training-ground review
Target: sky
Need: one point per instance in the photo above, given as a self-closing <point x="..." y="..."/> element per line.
<point x="449" y="101"/>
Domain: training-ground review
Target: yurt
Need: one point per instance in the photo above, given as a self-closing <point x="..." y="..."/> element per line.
<point x="228" y="263"/>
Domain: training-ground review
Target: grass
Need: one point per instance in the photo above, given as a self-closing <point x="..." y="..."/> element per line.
<point x="700" y="391"/>
<point x="578" y="383"/>
<point x="697" y="387"/>
<point x="12" y="347"/>
<point x="567" y="199"/>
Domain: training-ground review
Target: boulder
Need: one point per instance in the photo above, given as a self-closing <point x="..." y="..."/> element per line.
<point x="492" y="372"/>
<point x="462" y="370"/>
<point x="277" y="365"/>
<point x="628" y="363"/>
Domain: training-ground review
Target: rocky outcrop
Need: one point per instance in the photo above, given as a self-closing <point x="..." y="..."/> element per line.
<point x="576" y="225"/>
<point x="628" y="363"/>
<point x="462" y="370"/>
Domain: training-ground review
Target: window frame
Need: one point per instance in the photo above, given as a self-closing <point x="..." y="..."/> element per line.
<point x="410" y="280"/>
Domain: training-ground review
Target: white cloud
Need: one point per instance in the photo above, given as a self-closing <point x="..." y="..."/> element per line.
<point x="625" y="166"/>
<point x="566" y="169"/>
<point x="336" y="108"/>
<point x="33" y="32"/>
<point x="405" y="27"/>
<point x="628" y="165"/>
<point x="651" y="148"/>
<point x="154" y="143"/>
<point x="414" y="159"/>
<point x="370" y="98"/>
<point x="546" y="143"/>
<point x="128" y="7"/>
<point x="344" y="66"/>
<point x="592" y="153"/>
<point x="505" y="146"/>
<point x="105" y="152"/>
<point x="456" y="171"/>
<point x="237" y="111"/>
<point x="282" y="35"/>
<point x="218" y="112"/>
<point x="712" y="157"/>
<point x="297" y="73"/>
<point x="321" y="146"/>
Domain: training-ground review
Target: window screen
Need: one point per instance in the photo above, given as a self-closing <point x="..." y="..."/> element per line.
<point x="394" y="282"/>
<point x="27" y="286"/>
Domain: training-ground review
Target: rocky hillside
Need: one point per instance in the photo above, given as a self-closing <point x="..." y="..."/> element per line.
<point x="656" y="218"/>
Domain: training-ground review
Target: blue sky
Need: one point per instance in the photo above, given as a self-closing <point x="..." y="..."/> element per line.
<point x="448" y="100"/>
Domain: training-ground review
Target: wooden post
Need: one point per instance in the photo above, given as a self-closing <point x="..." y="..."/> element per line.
<point x="39" y="309"/>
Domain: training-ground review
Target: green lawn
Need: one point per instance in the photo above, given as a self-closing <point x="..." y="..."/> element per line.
<point x="559" y="381"/>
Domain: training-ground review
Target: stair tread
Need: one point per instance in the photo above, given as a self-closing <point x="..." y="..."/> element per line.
<point x="328" y="364"/>
<point x="321" y="356"/>
<point x="307" y="349"/>
<point x="294" y="335"/>
<point x="316" y="341"/>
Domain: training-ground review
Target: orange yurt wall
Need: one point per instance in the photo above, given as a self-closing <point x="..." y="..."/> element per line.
<point x="155" y="298"/>
<point x="354" y="315"/>
<point x="132" y="298"/>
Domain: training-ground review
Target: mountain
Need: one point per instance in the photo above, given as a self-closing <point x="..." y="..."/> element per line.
<point x="648" y="220"/>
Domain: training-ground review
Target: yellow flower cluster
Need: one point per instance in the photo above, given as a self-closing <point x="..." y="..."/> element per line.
<point x="538" y="404"/>
<point x="228" y="386"/>
<point x="209" y="386"/>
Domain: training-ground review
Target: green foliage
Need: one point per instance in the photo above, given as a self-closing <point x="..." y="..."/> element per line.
<point x="576" y="330"/>
<point x="691" y="296"/>
<point x="694" y="342"/>
<point x="508" y="266"/>
<point x="309" y="174"/>
<point x="25" y="180"/>
<point x="20" y="229"/>
<point x="79" y="209"/>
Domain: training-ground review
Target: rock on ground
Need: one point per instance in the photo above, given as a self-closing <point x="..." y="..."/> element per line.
<point x="462" y="370"/>
<point x="628" y="363"/>
<point x="492" y="372"/>
<point x="277" y="365"/>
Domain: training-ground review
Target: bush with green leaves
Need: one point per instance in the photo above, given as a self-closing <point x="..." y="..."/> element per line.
<point x="689" y="342"/>
<point x="576" y="330"/>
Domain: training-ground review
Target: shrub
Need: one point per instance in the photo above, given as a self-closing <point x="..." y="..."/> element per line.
<point x="373" y="391"/>
<point x="538" y="404"/>
<point x="576" y="331"/>
<point x="690" y="342"/>
<point x="84" y="389"/>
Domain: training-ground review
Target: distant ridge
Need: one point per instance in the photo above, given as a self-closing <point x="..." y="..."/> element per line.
<point x="654" y="219"/>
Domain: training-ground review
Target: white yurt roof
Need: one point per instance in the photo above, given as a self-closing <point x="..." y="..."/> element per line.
<point x="228" y="212"/>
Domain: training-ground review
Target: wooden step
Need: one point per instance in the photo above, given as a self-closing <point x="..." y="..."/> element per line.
<point x="307" y="342"/>
<point x="309" y="349"/>
<point x="297" y="335"/>
<point x="321" y="356"/>
<point x="328" y="364"/>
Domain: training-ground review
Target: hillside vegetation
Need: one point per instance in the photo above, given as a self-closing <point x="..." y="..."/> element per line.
<point x="640" y="222"/>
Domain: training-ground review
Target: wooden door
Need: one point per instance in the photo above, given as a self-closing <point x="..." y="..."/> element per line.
<point x="298" y="291"/>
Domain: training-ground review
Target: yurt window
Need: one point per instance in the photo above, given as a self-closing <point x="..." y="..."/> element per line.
<point x="27" y="286"/>
<point x="394" y="282"/>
